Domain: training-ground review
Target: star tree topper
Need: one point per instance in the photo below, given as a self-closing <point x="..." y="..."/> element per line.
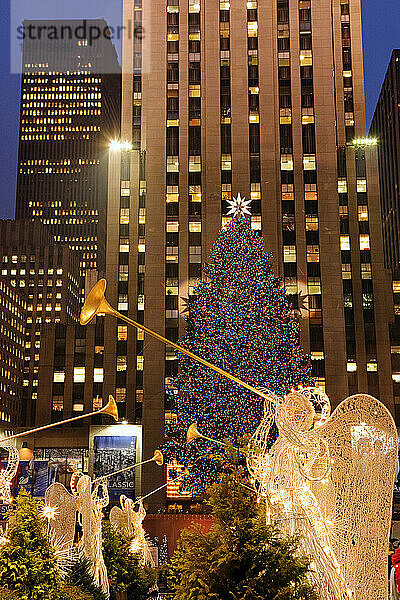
<point x="239" y="206"/>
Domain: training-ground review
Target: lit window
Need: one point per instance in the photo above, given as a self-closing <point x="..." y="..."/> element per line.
<point x="77" y="407"/>
<point x="194" y="91"/>
<point x="124" y="245"/>
<point x="252" y="28"/>
<point x="256" y="222"/>
<point x="364" y="241"/>
<point x="366" y="271"/>
<point x="313" y="254"/>
<point x="172" y="164"/>
<point x="291" y="285"/>
<point x="226" y="162"/>
<point x="289" y="254"/>
<point x="311" y="223"/>
<point x="140" y="301"/>
<point x="194" y="164"/>
<point x="121" y="363"/>
<point x="309" y="162"/>
<point x="396" y="377"/>
<point x="342" y="186"/>
<point x="122" y="332"/>
<point x="351" y="367"/>
<point x="172" y="193"/>
<point x="345" y="242"/>
<point x="120" y="395"/>
<point x="306" y="58"/>
<point x="58" y="403"/>
<point x="123" y="272"/>
<point x="361" y="185"/>
<point x="123" y="302"/>
<point x="98" y="375"/>
<point x="97" y="403"/>
<point x="317" y="356"/>
<point x="346" y="271"/>
<point x="372" y="367"/>
<point x="363" y="213"/>
<point x="139" y="363"/>
<point x="79" y="374"/>
<point x="59" y="377"/>
<point x="314" y="285"/>
<point x="124" y="216"/>
<point x="286" y="162"/>
<point x="195" y="226"/>
<point x="172" y="226"/>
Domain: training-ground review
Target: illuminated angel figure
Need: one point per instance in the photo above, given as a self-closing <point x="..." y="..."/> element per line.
<point x="131" y="522"/>
<point x="90" y="504"/>
<point x="330" y="479"/>
<point x="8" y="473"/>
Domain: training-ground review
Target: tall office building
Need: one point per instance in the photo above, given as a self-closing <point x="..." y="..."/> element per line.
<point x="12" y="343"/>
<point x="262" y="98"/>
<point x="386" y="127"/>
<point x="70" y="110"/>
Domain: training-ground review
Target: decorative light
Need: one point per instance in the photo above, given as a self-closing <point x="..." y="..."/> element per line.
<point x="118" y="146"/>
<point x="365" y="142"/>
<point x="329" y="479"/>
<point x="130" y="521"/>
<point x="25" y="453"/>
<point x="115" y="146"/>
<point x="239" y="206"/>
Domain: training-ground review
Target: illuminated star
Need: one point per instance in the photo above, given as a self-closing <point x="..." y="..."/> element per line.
<point x="239" y="206"/>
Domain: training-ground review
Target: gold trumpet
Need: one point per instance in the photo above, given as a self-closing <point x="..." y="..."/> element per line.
<point x="96" y="304"/>
<point x="157" y="457"/>
<point x="194" y="434"/>
<point x="109" y="409"/>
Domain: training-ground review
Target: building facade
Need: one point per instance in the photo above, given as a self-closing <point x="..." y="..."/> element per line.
<point x="12" y="345"/>
<point x="47" y="276"/>
<point x="263" y="98"/>
<point x="386" y="127"/>
<point x="70" y="110"/>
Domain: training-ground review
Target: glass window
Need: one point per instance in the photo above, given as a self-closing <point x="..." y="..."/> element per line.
<point x="79" y="374"/>
<point x="122" y="332"/>
<point x="59" y="377"/>
<point x="345" y="242"/>
<point x="364" y="242"/>
<point x="98" y="375"/>
<point x="289" y="254"/>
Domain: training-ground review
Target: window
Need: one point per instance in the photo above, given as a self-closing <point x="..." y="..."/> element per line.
<point x="139" y="363"/>
<point x="256" y="222"/>
<point x="79" y="374"/>
<point x="194" y="164"/>
<point x="286" y="162"/>
<point x="372" y="367"/>
<point x="346" y="271"/>
<point x="311" y="223"/>
<point x="361" y="185"/>
<point x="226" y="162"/>
<point x="124" y="245"/>
<point x="121" y="363"/>
<point x="123" y="272"/>
<point x="289" y="254"/>
<point x="172" y="164"/>
<point x="314" y="285"/>
<point x="313" y="254"/>
<point x="77" y="407"/>
<point x="172" y="226"/>
<point x="122" y="332"/>
<point x="59" y="377"/>
<point x="342" y="186"/>
<point x="351" y="367"/>
<point x="124" y="216"/>
<point x="366" y="271"/>
<point x="364" y="241"/>
<point x="195" y="226"/>
<point x="309" y="162"/>
<point x="58" y="403"/>
<point x="123" y="302"/>
<point x="363" y="213"/>
<point x="345" y="242"/>
<point x="98" y="375"/>
<point x="120" y="395"/>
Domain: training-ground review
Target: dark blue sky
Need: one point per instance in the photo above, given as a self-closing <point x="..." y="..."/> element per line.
<point x="381" y="24"/>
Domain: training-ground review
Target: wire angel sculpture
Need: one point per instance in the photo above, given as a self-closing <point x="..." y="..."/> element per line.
<point x="130" y="522"/>
<point x="330" y="479"/>
<point x="60" y="511"/>
<point x="9" y="472"/>
<point x="90" y="504"/>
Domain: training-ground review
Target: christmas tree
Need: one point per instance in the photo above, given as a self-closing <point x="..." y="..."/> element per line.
<point x="240" y="321"/>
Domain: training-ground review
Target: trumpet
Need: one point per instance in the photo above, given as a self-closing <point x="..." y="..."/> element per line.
<point x="109" y="409"/>
<point x="96" y="304"/>
<point x="157" y="457"/>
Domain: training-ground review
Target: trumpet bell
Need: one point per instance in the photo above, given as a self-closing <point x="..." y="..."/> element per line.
<point x="110" y="408"/>
<point x="193" y="433"/>
<point x="158" y="457"/>
<point x="95" y="303"/>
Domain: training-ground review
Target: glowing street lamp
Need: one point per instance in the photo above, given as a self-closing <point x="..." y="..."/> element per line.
<point x="118" y="146"/>
<point x="364" y="142"/>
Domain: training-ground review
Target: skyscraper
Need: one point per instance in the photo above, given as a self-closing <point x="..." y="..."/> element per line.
<point x="70" y="110"/>
<point x="386" y="127"/>
<point x="263" y="98"/>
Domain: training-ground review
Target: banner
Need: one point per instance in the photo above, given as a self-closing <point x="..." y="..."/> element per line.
<point x="112" y="453"/>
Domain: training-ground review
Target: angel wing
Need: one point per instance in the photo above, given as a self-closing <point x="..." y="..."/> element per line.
<point x="63" y="504"/>
<point x="357" y="496"/>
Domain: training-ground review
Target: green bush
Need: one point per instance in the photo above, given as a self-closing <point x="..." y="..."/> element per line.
<point x="27" y="559"/>
<point x="125" y="572"/>
<point x="65" y="592"/>
<point x="80" y="576"/>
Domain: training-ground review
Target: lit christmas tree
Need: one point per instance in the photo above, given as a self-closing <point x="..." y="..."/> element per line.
<point x="239" y="321"/>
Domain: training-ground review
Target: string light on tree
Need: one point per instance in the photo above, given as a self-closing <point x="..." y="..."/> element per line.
<point x="241" y="322"/>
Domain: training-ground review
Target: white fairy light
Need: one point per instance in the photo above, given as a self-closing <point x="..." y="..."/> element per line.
<point x="332" y="483"/>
